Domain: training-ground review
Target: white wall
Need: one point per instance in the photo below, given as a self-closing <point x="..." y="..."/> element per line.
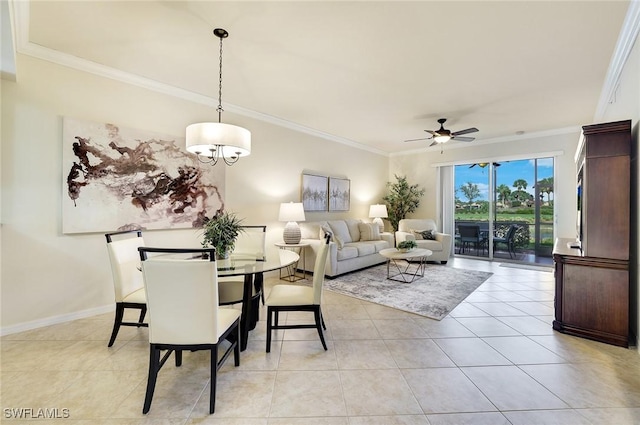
<point x="626" y="105"/>
<point x="419" y="168"/>
<point x="47" y="276"/>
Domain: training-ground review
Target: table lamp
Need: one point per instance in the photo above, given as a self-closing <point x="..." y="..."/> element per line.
<point x="376" y="212"/>
<point x="291" y="213"/>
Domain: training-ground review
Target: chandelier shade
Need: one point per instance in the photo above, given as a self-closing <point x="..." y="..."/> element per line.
<point x="226" y="140"/>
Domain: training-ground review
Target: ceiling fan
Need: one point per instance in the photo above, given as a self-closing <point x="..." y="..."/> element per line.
<point x="442" y="135"/>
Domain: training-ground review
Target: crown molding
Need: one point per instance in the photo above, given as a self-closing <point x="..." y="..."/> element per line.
<point x="24" y="46"/>
<point x="626" y="39"/>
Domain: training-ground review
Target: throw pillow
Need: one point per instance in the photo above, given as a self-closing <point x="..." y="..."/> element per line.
<point x="369" y="232"/>
<point x="429" y="235"/>
<point x="325" y="230"/>
<point x="340" y="232"/>
<point x="424" y="234"/>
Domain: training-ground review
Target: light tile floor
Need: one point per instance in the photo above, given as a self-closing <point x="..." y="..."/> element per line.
<point x="493" y="360"/>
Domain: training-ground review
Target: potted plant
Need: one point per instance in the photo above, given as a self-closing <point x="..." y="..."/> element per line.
<point x="221" y="232"/>
<point x="401" y="200"/>
<point x="406" y="246"/>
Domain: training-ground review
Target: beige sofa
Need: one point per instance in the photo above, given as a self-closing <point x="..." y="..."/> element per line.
<point x="412" y="229"/>
<point x="354" y="245"/>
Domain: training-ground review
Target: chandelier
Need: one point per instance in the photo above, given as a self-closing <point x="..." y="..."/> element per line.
<point x="212" y="141"/>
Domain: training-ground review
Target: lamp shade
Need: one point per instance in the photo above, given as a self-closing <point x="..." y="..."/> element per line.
<point x="202" y="137"/>
<point x="377" y="211"/>
<point x="291" y="211"/>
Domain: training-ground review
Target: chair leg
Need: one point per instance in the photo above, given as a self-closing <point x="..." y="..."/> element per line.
<point x="269" y="326"/>
<point x="178" y="354"/>
<point x="116" y="323"/>
<point x="154" y="366"/>
<point x="214" y="376"/>
<point x="143" y="312"/>
<point x="318" y="315"/>
<point x="236" y="350"/>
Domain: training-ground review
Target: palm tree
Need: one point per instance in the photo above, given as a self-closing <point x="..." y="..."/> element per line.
<point x="503" y="193"/>
<point x="546" y="186"/>
<point x="520" y="184"/>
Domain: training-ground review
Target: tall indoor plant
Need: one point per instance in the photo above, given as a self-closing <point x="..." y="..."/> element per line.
<point x="401" y="200"/>
<point x="221" y="232"/>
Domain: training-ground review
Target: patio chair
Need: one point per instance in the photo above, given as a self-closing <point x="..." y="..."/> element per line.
<point x="508" y="240"/>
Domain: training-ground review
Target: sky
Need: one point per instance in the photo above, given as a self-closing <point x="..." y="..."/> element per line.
<point x="506" y="174"/>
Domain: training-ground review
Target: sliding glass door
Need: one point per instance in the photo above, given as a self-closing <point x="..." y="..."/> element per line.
<point x="509" y="204"/>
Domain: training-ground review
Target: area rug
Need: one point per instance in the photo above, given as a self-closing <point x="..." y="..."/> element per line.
<point x="434" y="295"/>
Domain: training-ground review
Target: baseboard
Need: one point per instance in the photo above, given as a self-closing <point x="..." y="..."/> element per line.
<point x="54" y="320"/>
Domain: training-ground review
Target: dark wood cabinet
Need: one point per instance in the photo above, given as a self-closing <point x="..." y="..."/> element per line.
<point x="592" y="283"/>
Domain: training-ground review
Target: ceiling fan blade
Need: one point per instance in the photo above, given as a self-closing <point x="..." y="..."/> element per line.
<point x="433" y="144"/>
<point x="463" y="139"/>
<point x="465" y="131"/>
<point x="433" y="133"/>
<point x="415" y="140"/>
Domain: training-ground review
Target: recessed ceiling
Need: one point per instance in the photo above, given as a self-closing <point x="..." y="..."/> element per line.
<point x="375" y="73"/>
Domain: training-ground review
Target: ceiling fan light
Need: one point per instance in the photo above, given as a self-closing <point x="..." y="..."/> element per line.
<point x="442" y="138"/>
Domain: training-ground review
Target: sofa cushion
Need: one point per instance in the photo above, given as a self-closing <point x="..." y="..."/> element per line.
<point x="364" y="248"/>
<point x="369" y="232"/>
<point x="430" y="244"/>
<point x="347" y="252"/>
<point x="340" y="232"/>
<point x="354" y="231"/>
<point x="380" y="245"/>
<point x="406" y="224"/>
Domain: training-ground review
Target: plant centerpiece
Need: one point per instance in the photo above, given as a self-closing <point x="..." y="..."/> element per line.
<point x="407" y="245"/>
<point x="221" y="232"/>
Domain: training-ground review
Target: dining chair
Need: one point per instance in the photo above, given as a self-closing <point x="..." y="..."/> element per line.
<point x="251" y="242"/>
<point x="128" y="283"/>
<point x="285" y="297"/>
<point x="182" y="298"/>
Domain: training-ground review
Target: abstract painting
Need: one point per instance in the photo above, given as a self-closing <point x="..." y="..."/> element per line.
<point x="339" y="194"/>
<point x="117" y="178"/>
<point x="314" y="192"/>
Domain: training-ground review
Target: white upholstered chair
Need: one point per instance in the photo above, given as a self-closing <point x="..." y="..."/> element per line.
<point x="251" y="242"/>
<point x="128" y="284"/>
<point x="411" y="229"/>
<point x="285" y="297"/>
<point x="182" y="298"/>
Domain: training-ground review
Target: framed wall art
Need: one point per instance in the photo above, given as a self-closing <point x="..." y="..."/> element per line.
<point x="117" y="178"/>
<point x="314" y="192"/>
<point x="339" y="194"/>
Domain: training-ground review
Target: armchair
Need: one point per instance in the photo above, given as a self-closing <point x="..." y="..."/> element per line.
<point x="412" y="229"/>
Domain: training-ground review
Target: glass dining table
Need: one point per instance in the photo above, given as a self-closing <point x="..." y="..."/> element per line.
<point x="252" y="269"/>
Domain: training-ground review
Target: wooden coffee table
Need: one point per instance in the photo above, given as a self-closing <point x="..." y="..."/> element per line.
<point x="405" y="275"/>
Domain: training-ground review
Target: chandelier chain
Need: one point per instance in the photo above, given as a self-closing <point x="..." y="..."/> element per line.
<point x="219" y="109"/>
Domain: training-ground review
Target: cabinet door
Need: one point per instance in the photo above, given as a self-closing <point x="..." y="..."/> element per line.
<point x="596" y="298"/>
<point x="606" y="203"/>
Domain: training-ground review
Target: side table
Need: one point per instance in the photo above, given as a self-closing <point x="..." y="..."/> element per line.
<point x="292" y="270"/>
